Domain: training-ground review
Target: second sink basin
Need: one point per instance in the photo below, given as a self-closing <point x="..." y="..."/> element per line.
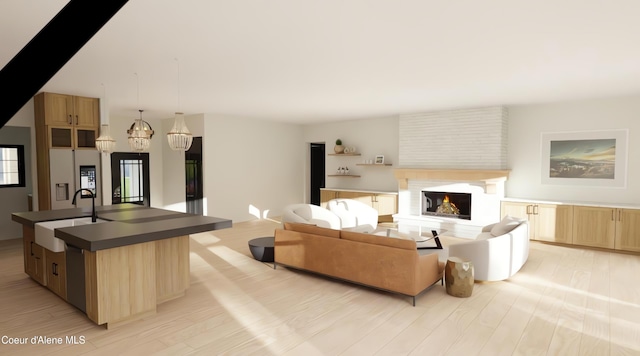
<point x="45" y="231"/>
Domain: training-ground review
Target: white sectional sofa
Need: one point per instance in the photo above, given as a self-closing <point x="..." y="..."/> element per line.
<point x="498" y="252"/>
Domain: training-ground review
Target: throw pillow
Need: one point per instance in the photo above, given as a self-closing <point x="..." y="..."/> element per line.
<point x="505" y="225"/>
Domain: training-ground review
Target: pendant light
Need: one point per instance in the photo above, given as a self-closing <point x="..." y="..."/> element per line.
<point x="140" y="132"/>
<point x="105" y="143"/>
<point x="179" y="137"/>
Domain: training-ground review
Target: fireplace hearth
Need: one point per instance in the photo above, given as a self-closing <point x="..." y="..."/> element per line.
<point x="446" y="204"/>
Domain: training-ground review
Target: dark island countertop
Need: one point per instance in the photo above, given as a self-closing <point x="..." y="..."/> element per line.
<point x="128" y="224"/>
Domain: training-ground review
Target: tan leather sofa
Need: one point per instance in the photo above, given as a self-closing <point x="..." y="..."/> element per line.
<point x="381" y="262"/>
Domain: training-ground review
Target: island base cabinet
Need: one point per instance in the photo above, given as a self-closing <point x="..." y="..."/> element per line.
<point x="120" y="283"/>
<point x="33" y="256"/>
<point x="56" y="272"/>
<point x="172" y="268"/>
<point x="127" y="283"/>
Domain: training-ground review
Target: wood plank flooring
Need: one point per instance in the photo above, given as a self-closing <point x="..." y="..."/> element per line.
<point x="564" y="301"/>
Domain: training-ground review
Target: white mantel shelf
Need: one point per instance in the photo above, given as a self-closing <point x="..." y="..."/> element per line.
<point x="489" y="176"/>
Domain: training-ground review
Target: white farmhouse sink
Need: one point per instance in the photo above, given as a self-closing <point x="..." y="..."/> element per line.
<point x="45" y="234"/>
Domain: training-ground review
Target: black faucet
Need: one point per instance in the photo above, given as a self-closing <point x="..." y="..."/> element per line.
<point x="94" y="216"/>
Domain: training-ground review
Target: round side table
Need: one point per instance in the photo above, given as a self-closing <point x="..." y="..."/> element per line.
<point x="458" y="277"/>
<point x="262" y="248"/>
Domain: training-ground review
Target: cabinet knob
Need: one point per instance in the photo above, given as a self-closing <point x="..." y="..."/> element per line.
<point x="70" y="119"/>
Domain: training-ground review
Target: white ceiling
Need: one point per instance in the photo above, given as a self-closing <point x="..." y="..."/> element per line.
<point x="310" y="61"/>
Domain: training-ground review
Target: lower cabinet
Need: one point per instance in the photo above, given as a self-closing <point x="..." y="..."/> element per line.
<point x="34" y="257"/>
<point x="385" y="203"/>
<point x="594" y="226"/>
<point x="547" y="222"/>
<point x="613" y="228"/>
<point x="602" y="227"/>
<point x="628" y="230"/>
<point x="56" y="272"/>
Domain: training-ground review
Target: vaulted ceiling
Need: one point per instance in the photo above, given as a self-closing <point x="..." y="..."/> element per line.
<point x="310" y="61"/>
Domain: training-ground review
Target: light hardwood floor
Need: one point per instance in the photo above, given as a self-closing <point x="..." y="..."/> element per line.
<point x="565" y="301"/>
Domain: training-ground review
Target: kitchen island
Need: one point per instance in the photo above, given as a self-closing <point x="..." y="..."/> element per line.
<point x="118" y="270"/>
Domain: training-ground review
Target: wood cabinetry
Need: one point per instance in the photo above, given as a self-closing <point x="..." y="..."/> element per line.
<point x="56" y="272"/>
<point x="62" y="122"/>
<point x="34" y="257"/>
<point x="67" y="121"/>
<point x="385" y="203"/>
<point x="593" y="226"/>
<point x="612" y="228"/>
<point x="547" y="222"/>
<point x="628" y="230"/>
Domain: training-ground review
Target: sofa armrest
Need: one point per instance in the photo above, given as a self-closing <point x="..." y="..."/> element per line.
<point x="428" y="271"/>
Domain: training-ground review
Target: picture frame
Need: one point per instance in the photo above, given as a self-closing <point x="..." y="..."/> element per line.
<point x="379" y="159"/>
<point x="585" y="158"/>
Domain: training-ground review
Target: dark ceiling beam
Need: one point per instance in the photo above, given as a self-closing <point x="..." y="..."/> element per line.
<point x="50" y="50"/>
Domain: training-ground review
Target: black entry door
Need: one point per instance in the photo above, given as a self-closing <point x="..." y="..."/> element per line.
<point x="193" y="175"/>
<point x="130" y="178"/>
<point x="317" y="172"/>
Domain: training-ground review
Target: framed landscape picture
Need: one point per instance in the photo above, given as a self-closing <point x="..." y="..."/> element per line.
<point x="586" y="158"/>
<point x="379" y="159"/>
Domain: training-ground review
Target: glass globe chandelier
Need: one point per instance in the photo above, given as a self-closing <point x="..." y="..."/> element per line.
<point x="140" y="134"/>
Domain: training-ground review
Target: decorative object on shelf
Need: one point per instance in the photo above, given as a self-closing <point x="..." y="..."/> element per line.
<point x="346" y="170"/>
<point x="140" y="132"/>
<point x="180" y="139"/>
<point x="105" y="143"/>
<point x="338" y="148"/>
<point x="379" y="159"/>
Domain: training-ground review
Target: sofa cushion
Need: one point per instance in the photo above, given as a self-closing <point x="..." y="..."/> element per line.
<point x="505" y="225"/>
<point x="484" y="236"/>
<point x="378" y="240"/>
<point x="312" y="229"/>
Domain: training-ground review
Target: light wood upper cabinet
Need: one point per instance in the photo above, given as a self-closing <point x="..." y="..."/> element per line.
<point x="58" y="109"/>
<point x="86" y="111"/>
<point x="627" y="230"/>
<point x="594" y="226"/>
<point x="68" y="110"/>
<point x="67" y="121"/>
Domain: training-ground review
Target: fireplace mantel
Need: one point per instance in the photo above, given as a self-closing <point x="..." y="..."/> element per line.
<point x="489" y="176"/>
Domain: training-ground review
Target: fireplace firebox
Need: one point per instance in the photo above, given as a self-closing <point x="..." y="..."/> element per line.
<point x="451" y="205"/>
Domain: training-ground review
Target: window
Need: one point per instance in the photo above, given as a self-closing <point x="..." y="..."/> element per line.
<point x="11" y="166"/>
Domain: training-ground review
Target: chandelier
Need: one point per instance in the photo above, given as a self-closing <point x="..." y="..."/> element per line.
<point x="105" y="143"/>
<point x="179" y="137"/>
<point x="140" y="134"/>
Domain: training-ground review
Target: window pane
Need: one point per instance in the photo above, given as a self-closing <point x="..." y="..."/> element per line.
<point x="11" y="162"/>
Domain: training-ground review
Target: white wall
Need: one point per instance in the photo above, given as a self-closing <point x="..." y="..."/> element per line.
<point x="15" y="199"/>
<point x="250" y="167"/>
<point x="174" y="181"/>
<point x="526" y="123"/>
<point x="370" y="137"/>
